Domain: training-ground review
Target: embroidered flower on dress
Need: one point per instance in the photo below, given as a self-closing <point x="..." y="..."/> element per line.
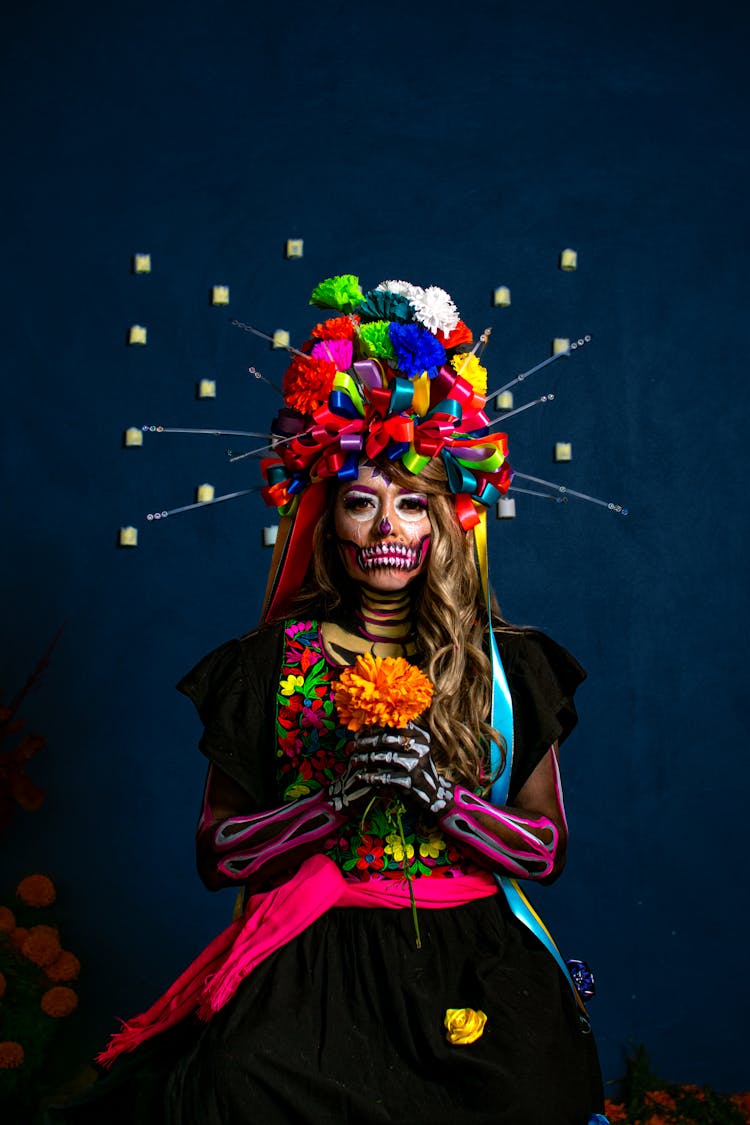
<point x="291" y="684"/>
<point x="464" y="1025"/>
<point x="395" y="847"/>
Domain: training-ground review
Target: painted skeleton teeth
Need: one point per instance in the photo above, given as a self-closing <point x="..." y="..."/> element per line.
<point x="396" y="555"/>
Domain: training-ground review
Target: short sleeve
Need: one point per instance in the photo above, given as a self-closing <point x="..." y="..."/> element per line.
<point x="543" y="678"/>
<point x="233" y="690"/>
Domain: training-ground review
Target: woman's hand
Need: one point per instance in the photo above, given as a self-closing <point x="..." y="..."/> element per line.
<point x="401" y="760"/>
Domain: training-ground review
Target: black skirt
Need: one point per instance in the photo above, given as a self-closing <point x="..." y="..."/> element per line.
<point x="345" y="1025"/>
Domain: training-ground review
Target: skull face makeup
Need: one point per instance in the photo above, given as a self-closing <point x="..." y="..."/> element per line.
<point x="383" y="530"/>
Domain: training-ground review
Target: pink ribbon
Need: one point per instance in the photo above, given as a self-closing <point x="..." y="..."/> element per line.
<point x="269" y="921"/>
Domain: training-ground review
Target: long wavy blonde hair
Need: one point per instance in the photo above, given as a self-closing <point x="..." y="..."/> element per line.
<point x="449" y="617"/>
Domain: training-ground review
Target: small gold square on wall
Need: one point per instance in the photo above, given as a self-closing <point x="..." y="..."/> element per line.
<point x="295" y="247"/>
<point x="137" y="334"/>
<point x="220" y="295"/>
<point x="207" y="388"/>
<point x="563" y="451"/>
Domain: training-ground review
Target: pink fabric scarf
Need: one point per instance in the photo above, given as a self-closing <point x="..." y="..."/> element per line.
<point x="268" y="922"/>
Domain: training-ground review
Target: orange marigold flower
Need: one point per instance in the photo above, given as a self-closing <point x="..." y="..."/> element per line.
<point x="66" y="967"/>
<point x="615" y="1111"/>
<point x="742" y="1101"/>
<point x="660" y="1097"/>
<point x="59" y="1001"/>
<point x="7" y="920"/>
<point x="308" y="382"/>
<point x="42" y="946"/>
<point x="11" y="1055"/>
<point x="18" y="936"/>
<point x="36" y="890"/>
<point x="3" y="984"/>
<point x="336" y="328"/>
<point x="386" y="692"/>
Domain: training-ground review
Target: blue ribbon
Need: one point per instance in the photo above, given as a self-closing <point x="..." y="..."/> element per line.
<point x="502" y="721"/>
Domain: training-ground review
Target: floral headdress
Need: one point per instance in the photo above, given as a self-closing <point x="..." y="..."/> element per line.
<point x="392" y="372"/>
<point x="395" y="373"/>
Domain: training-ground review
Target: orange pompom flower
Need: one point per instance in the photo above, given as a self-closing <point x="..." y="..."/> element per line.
<point x="336" y="328"/>
<point x="461" y="334"/>
<point x="59" y="1001"/>
<point x="7" y="920"/>
<point x="66" y="967"/>
<point x="11" y="1055"/>
<point x="18" y="936"/>
<point x="307" y="383"/>
<point x="42" y="946"/>
<point x="36" y="890"/>
<point x="378" y="691"/>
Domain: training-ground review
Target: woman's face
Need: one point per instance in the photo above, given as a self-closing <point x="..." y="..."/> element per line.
<point x="383" y="530"/>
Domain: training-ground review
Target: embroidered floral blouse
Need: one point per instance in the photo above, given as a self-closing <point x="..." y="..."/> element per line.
<point x="280" y="674"/>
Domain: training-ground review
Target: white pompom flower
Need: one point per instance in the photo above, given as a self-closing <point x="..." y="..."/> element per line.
<point x="402" y="289"/>
<point x="434" y="308"/>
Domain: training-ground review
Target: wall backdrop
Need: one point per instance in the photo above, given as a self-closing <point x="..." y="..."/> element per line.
<point x="461" y="146"/>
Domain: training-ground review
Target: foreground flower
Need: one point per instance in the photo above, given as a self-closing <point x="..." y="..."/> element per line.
<point x="36" y="890"/>
<point x="3" y="985"/>
<point x="42" y="945"/>
<point x="464" y="1025"/>
<point x="7" y="920"/>
<point x="65" y="967"/>
<point x="377" y="691"/>
<point x="59" y="1001"/>
<point x="11" y="1055"/>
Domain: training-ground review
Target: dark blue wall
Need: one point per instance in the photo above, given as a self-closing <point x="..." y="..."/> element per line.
<point x="463" y="148"/>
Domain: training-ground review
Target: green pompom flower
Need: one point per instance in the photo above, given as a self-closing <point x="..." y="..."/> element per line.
<point x="375" y="340"/>
<point x="342" y="292"/>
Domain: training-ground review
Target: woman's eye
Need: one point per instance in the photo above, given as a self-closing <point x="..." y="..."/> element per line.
<point x="357" y="503"/>
<point x="413" y="504"/>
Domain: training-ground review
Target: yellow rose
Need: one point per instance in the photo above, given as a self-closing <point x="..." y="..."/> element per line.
<point x="464" y="1025"/>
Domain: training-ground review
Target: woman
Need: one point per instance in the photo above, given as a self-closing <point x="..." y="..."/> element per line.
<point x="385" y="967"/>
<point x="346" y="1021"/>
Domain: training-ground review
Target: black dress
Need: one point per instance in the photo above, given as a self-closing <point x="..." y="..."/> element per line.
<point x="345" y="1023"/>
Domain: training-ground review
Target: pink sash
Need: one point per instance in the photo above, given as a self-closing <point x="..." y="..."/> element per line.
<point x="268" y="922"/>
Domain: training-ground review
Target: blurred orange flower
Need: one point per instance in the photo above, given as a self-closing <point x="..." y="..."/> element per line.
<point x="377" y="691"/>
<point x="59" y="1001"/>
<point x="36" y="890"/>
<point x="11" y="1054"/>
<point x="7" y="920"/>
<point x="3" y="984"/>
<point x="615" y="1111"/>
<point x="66" y="967"/>
<point x="42" y="946"/>
<point x="18" y="936"/>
